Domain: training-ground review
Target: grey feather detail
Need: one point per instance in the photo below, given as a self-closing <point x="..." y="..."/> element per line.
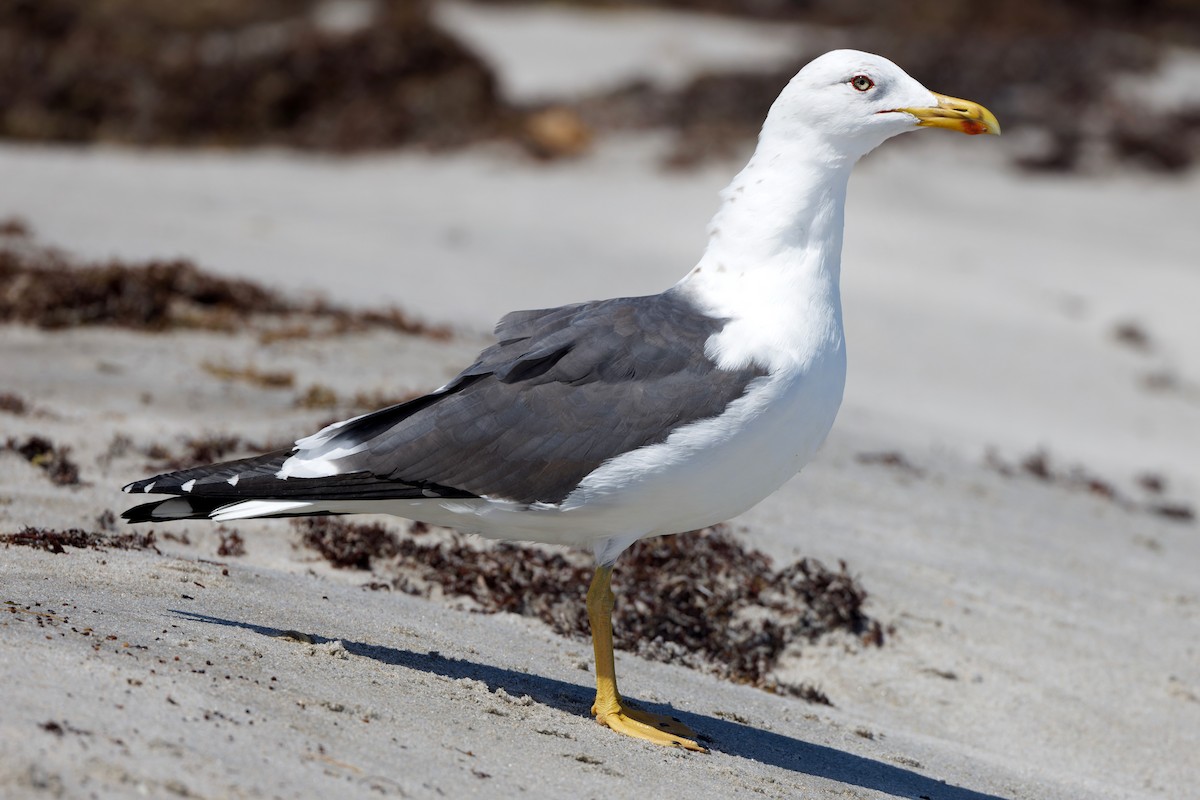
<point x="563" y="390"/>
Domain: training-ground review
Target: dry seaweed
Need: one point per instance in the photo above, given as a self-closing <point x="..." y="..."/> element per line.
<point x="1038" y="465"/>
<point x="54" y="461"/>
<point x="803" y="691"/>
<point x="263" y="379"/>
<point x="699" y="599"/>
<point x="200" y="450"/>
<point x="346" y="545"/>
<point x="394" y="319"/>
<point x="232" y="73"/>
<point x="322" y="320"/>
<point x="1174" y="511"/>
<point x="232" y="543"/>
<point x="317" y="395"/>
<point x="1132" y="335"/>
<point x="41" y="286"/>
<point x="890" y="458"/>
<point x="57" y="541"/>
<point x="14" y="227"/>
<point x="320" y="396"/>
<point x="13" y="404"/>
<point x="1152" y="482"/>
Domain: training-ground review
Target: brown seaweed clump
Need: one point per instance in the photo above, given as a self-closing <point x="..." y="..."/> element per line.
<point x="54" y="461"/>
<point x="54" y="541"/>
<point x="226" y="72"/>
<point x="347" y="545"/>
<point x="701" y="599"/>
<point x="13" y="404"/>
<point x="1039" y="466"/>
<point x="232" y="543"/>
<point x="43" y="287"/>
<point x="198" y="450"/>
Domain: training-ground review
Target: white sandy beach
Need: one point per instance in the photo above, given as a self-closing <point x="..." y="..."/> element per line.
<point x="1045" y="640"/>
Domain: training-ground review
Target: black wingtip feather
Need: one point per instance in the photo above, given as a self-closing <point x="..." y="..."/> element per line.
<point x="173" y="508"/>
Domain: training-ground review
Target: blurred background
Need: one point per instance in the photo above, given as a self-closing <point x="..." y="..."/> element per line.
<point x="1088" y="84"/>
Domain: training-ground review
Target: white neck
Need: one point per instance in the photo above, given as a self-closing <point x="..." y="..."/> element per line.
<point x="774" y="254"/>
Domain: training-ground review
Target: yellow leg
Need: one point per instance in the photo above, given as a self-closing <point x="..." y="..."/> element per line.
<point x="609" y="709"/>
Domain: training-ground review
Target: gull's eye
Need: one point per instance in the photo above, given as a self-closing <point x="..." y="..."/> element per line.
<point x="862" y="83"/>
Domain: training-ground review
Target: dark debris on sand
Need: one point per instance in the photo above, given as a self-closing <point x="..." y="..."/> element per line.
<point x="13" y="404"/>
<point x="57" y="541"/>
<point x="228" y="72"/>
<point x="891" y="458"/>
<point x="232" y="544"/>
<point x="700" y="599"/>
<point x="1039" y="466"/>
<point x="14" y="227"/>
<point x="195" y="451"/>
<point x="347" y="545"/>
<point x="54" y="461"/>
<point x="41" y="286"/>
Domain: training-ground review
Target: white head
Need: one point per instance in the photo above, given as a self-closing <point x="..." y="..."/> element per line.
<point x="853" y="101"/>
<point x="778" y="232"/>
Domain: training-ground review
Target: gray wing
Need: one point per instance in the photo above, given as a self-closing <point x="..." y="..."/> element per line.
<point x="562" y="391"/>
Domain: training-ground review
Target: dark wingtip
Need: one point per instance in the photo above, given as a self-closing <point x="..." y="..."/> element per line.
<point x="173" y="508"/>
<point x="142" y="513"/>
<point x="143" y="485"/>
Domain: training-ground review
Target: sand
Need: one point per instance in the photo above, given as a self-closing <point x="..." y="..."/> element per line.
<point x="1043" y="638"/>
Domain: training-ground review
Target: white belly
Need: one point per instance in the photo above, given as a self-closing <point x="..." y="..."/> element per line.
<point x="717" y="468"/>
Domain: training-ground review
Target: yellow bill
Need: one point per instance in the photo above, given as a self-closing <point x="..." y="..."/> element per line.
<point x="956" y="114"/>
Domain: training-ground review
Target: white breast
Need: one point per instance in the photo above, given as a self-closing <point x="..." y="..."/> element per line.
<point x="717" y="468"/>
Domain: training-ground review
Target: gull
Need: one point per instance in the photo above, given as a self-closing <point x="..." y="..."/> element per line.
<point x="601" y="423"/>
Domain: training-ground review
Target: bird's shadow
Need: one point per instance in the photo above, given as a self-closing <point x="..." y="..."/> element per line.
<point x="722" y="735"/>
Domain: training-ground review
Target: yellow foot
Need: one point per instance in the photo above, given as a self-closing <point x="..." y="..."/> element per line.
<point x="651" y="727"/>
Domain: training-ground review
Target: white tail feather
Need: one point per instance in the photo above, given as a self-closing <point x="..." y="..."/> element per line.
<point x="248" y="509"/>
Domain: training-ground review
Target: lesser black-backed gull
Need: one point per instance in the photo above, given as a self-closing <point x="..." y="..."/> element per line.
<point x="598" y="424"/>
